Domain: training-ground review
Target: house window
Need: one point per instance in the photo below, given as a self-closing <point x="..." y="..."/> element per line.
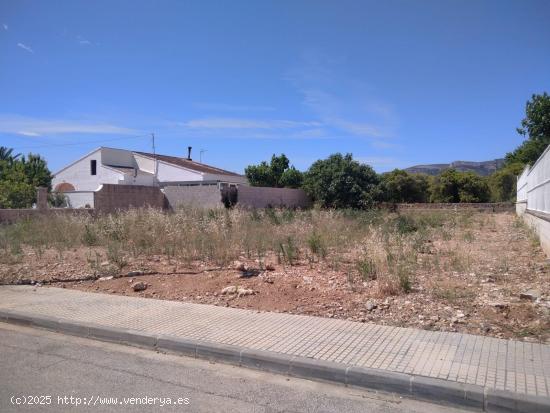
<point x="93" y="167"/>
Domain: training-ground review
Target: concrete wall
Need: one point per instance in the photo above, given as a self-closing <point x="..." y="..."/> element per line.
<point x="112" y="198"/>
<point x="521" y="189"/>
<point x="260" y="197"/>
<point x="533" y="198"/>
<point x="521" y="208"/>
<point x="540" y="222"/>
<point x="205" y="196"/>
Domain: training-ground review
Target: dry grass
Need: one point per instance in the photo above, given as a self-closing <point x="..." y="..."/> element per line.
<point x="368" y="245"/>
<point x="419" y="267"/>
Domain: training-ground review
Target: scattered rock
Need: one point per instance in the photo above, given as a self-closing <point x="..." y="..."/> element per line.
<point x="532" y="295"/>
<point x="371" y="305"/>
<point x="239" y="266"/>
<point x="250" y="272"/>
<point x="231" y="289"/>
<point x="500" y="305"/>
<point x="134" y="273"/>
<point x="104" y="264"/>
<point x="244" y="291"/>
<point x="485" y="327"/>
<point x="139" y="286"/>
<point x="269" y="266"/>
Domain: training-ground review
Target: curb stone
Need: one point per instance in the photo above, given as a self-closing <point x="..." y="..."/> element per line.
<point x="426" y="388"/>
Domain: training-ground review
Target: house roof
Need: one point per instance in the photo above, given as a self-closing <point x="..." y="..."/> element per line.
<point x="189" y="164"/>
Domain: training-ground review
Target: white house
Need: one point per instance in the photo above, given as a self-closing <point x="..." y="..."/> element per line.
<point x="104" y="165"/>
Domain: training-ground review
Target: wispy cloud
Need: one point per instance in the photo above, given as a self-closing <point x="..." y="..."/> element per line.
<point x="26" y="126"/>
<point x="82" y="41"/>
<point x="25" y="47"/>
<point x="240" y="123"/>
<point x="379" y="162"/>
<point x="339" y="101"/>
<point x="5" y="26"/>
<point x="223" y="107"/>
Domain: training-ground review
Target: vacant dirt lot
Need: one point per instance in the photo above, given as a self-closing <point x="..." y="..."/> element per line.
<point x="481" y="273"/>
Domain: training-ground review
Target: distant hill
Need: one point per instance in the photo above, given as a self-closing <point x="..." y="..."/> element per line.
<point x="481" y="168"/>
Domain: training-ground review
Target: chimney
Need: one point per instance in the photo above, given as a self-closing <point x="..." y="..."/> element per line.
<point x="189" y="152"/>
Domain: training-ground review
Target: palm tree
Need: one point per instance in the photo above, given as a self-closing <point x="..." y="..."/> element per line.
<point x="6" y="154"/>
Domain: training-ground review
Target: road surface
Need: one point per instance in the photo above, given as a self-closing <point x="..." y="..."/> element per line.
<point x="59" y="373"/>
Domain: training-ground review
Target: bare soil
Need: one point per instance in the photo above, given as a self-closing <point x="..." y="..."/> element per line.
<point x="477" y="291"/>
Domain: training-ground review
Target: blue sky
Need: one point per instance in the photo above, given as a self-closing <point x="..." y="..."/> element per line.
<point x="396" y="83"/>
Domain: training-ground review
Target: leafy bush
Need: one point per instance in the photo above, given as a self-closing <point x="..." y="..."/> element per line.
<point x="316" y="245"/>
<point x="455" y="186"/>
<point x="405" y="224"/>
<point x="278" y="173"/>
<point x="341" y="182"/>
<point x="19" y="177"/>
<point x="400" y="186"/>
<point x="367" y="268"/>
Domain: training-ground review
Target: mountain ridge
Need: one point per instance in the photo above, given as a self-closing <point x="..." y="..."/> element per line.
<point x="482" y="168"/>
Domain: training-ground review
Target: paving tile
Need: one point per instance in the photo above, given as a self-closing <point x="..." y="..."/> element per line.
<point x="462" y="358"/>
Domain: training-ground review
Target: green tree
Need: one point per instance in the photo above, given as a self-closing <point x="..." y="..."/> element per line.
<point x="536" y="126"/>
<point x="400" y="186"/>
<point x="6" y="154"/>
<point x="341" y="182"/>
<point x="291" y="178"/>
<point x="454" y="186"/>
<point x="15" y="191"/>
<point x="19" y="177"/>
<point x="503" y="183"/>
<point x="36" y="171"/>
<point x="275" y="174"/>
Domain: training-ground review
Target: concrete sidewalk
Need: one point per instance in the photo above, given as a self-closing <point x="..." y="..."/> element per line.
<point x="461" y="369"/>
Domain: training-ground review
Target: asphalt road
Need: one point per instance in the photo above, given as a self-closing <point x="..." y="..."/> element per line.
<point x="60" y="373"/>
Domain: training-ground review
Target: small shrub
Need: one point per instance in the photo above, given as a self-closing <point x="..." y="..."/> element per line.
<point x="316" y="245"/>
<point x="468" y="236"/>
<point x="452" y="291"/>
<point x="89" y="237"/>
<point x="289" y="250"/>
<point x="367" y="268"/>
<point x="405" y="224"/>
<point x="116" y="255"/>
<point x="405" y="282"/>
<point x="272" y="215"/>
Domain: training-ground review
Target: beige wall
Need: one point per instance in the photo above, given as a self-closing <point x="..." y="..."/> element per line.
<point x="260" y="197"/>
<point x="112" y="198"/>
<point x="207" y="196"/>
